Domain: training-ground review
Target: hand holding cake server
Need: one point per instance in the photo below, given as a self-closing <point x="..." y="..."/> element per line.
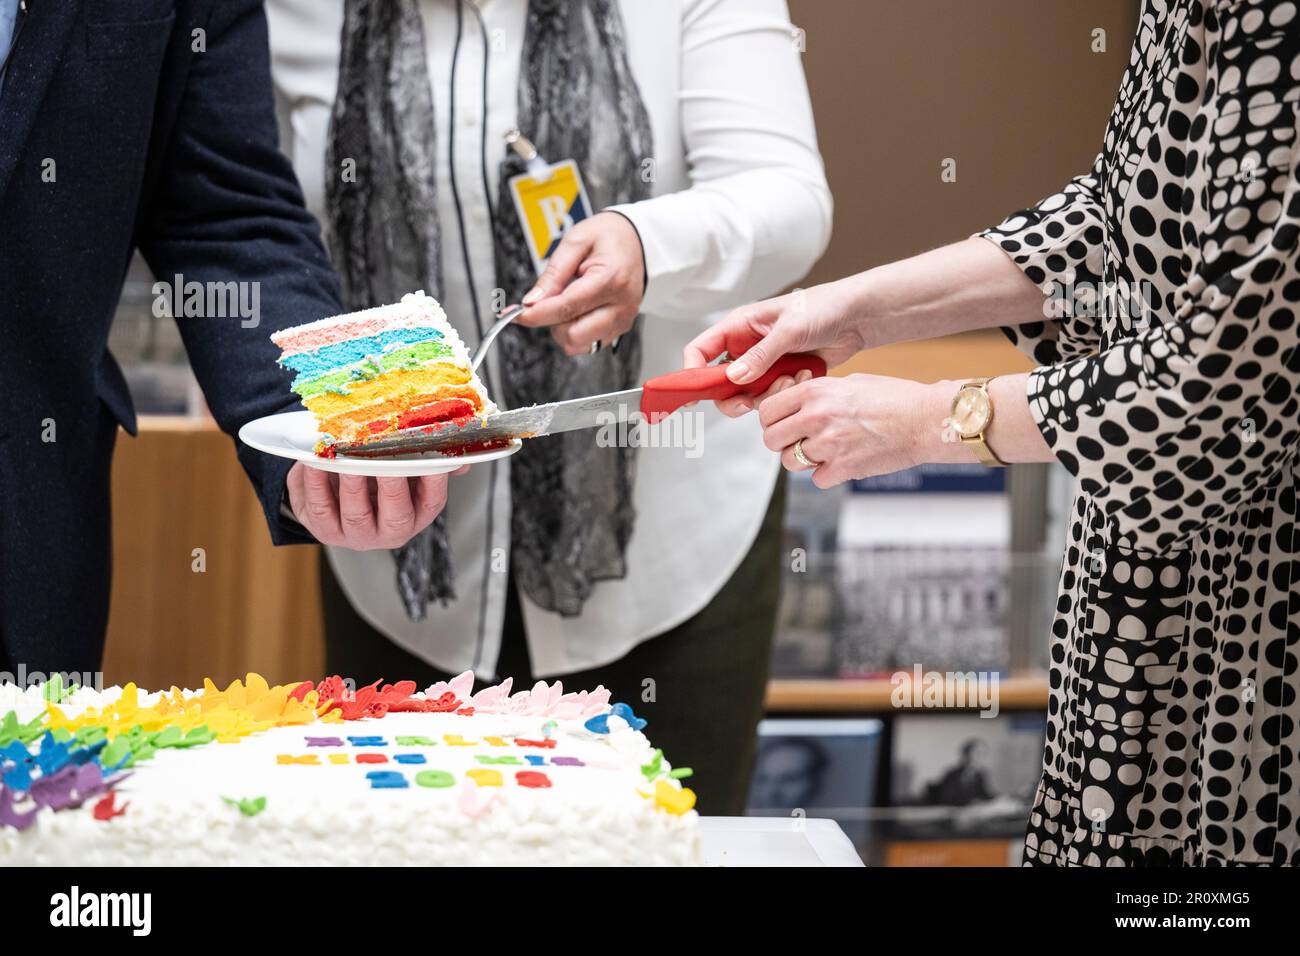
<point x="858" y="426"/>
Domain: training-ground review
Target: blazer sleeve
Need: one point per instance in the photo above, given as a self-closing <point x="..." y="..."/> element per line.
<point x="228" y="209"/>
<point x="1172" y="428"/>
<point x="758" y="212"/>
<point x="1058" y="245"/>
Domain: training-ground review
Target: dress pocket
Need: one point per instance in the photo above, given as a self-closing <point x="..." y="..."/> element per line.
<point x="1128" y="658"/>
<point x="1247" y="139"/>
<point x="1134" y="631"/>
<point x="1247" y="169"/>
<point x="1254" y="48"/>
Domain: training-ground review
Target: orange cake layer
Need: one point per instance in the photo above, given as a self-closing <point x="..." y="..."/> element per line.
<point x="374" y="420"/>
<point x="390" y="385"/>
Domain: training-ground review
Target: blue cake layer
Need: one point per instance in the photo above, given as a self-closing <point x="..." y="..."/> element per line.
<point x="330" y="357"/>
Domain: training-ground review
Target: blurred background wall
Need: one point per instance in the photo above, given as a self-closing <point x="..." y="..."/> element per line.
<point x="1010" y="90"/>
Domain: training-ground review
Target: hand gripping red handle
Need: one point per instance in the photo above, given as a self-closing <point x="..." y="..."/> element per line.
<point x="663" y="395"/>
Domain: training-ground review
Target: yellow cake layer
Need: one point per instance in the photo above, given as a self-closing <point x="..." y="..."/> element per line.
<point x="355" y="425"/>
<point x="398" y="382"/>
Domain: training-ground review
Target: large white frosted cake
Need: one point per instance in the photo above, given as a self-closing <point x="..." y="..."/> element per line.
<point x="303" y="774"/>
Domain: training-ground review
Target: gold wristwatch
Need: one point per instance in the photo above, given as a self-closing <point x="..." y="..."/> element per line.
<point x="972" y="413"/>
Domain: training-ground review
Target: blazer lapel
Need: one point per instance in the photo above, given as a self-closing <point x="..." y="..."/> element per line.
<point x="40" y="50"/>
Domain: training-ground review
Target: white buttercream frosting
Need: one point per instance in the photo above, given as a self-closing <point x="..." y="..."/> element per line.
<point x="601" y="812"/>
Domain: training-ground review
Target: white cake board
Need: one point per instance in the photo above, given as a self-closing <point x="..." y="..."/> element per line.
<point x="769" y="841"/>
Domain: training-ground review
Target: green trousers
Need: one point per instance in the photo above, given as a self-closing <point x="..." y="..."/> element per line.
<point x="709" y="673"/>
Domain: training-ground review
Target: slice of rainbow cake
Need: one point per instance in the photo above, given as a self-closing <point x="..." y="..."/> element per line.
<point x="369" y="373"/>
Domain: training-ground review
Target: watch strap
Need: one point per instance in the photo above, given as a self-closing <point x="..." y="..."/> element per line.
<point x="983" y="452"/>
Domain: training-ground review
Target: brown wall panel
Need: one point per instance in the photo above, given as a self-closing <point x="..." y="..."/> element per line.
<point x="1008" y="88"/>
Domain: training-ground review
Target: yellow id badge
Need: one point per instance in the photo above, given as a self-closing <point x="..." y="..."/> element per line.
<point x="549" y="204"/>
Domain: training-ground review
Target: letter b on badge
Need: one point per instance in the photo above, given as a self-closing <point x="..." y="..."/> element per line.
<point x="548" y="206"/>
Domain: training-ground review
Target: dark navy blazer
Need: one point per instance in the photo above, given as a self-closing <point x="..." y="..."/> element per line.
<point x="125" y="124"/>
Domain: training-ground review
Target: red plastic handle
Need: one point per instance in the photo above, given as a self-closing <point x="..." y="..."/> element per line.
<point x="663" y="395"/>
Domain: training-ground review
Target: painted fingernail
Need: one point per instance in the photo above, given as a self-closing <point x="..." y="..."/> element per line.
<point x="534" y="295"/>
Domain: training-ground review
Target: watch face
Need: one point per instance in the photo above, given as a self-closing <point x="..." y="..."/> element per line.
<point x="971" y="412"/>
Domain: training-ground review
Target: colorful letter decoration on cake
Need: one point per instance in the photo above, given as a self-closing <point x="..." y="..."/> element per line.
<point x="387" y="780"/>
<point x="309" y="760"/>
<point x="435" y="779"/>
<point x="484" y="777"/>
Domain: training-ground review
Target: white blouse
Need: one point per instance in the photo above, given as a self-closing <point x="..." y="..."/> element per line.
<point x="740" y="210"/>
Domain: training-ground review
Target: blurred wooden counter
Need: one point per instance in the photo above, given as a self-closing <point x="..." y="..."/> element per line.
<point x="831" y="696"/>
<point x="178" y="487"/>
<point x="956" y="357"/>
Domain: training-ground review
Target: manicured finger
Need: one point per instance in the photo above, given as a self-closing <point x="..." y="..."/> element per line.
<point x="758" y="358"/>
<point x="561" y="267"/>
<point x="737" y="332"/>
<point x="585" y="294"/>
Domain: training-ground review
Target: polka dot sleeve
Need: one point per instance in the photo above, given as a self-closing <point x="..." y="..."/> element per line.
<point x="1171" y="427"/>
<point x="1058" y="245"/>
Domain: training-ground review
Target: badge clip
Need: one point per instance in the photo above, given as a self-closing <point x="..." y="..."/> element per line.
<point x="549" y="198"/>
<point x="525" y="150"/>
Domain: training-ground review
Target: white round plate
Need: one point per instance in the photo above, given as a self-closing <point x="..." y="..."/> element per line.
<point x="293" y="435"/>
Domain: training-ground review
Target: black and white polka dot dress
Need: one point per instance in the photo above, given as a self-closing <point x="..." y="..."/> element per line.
<point x="1172" y="730"/>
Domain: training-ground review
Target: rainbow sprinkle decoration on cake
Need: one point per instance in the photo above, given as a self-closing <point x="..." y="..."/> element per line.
<point x="304" y="774"/>
<point x="369" y="373"/>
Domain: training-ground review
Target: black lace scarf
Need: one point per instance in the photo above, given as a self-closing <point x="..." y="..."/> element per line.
<point x="572" y="513"/>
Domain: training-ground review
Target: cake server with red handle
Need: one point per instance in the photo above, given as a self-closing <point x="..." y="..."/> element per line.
<point x="656" y="399"/>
